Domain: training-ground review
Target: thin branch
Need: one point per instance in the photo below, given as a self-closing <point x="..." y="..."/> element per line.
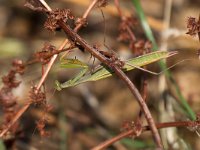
<point x="131" y="132"/>
<point x="49" y="55"/>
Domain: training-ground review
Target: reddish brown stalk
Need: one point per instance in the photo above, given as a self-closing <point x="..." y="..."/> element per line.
<point x="48" y="56"/>
<point x="75" y="37"/>
<point x="26" y="106"/>
<point x="131" y="132"/>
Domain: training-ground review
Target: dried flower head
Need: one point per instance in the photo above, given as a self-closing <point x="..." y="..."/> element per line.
<point x="41" y="127"/>
<point x="8" y="101"/>
<point x="125" y="29"/>
<point x="193" y="26"/>
<point x="55" y="15"/>
<point x="45" y="55"/>
<point x="37" y="96"/>
<point x="140" y="47"/>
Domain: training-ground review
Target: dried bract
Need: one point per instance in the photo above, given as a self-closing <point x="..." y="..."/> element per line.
<point x="51" y="25"/>
<point x="140" y="47"/>
<point x="41" y="125"/>
<point x="55" y="15"/>
<point x="193" y="26"/>
<point x="8" y="101"/>
<point x="10" y="79"/>
<point x="37" y="96"/>
<point x="45" y="55"/>
<point x="61" y="14"/>
<point x="126" y="26"/>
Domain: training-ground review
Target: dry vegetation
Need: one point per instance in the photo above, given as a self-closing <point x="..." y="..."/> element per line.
<point x="95" y="115"/>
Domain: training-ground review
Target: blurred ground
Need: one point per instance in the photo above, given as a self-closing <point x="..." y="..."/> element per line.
<point x="85" y="115"/>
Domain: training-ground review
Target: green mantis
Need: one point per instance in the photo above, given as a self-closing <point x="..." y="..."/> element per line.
<point x="102" y="71"/>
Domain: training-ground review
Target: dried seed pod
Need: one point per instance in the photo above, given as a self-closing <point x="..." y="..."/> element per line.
<point x="45" y="55"/>
<point x="61" y="14"/>
<point x="55" y="15"/>
<point x="51" y="25"/>
<point x="37" y="96"/>
<point x="41" y="127"/>
<point x="193" y="26"/>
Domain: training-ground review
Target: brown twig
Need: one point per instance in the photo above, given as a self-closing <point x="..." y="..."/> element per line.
<point x="131" y="132"/>
<point x="26" y="106"/>
<point x="48" y="56"/>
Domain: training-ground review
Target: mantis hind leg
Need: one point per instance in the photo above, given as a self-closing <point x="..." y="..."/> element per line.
<point x="145" y="70"/>
<point x="156" y="73"/>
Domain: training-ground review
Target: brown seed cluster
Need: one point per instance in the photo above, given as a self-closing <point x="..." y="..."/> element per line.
<point x="8" y="101"/>
<point x="45" y="55"/>
<point x="193" y="26"/>
<point x="126" y="28"/>
<point x="55" y="15"/>
<point x="127" y="22"/>
<point x="37" y="96"/>
<point x="140" y="47"/>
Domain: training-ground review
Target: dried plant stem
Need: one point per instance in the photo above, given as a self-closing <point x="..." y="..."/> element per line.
<point x="26" y="106"/>
<point x="131" y="132"/>
<point x="45" y="5"/>
<point x="75" y="37"/>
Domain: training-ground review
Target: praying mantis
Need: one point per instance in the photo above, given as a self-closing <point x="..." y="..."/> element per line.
<point x="101" y="72"/>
